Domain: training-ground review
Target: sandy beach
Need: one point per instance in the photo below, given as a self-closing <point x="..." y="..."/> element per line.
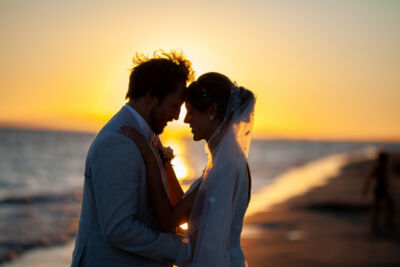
<point x="326" y="226"/>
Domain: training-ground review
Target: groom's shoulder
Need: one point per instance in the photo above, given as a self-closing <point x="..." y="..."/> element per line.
<point x="109" y="144"/>
<point x="109" y="132"/>
<point x="109" y="136"/>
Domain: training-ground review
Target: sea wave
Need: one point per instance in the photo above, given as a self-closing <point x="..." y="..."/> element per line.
<point x="37" y="221"/>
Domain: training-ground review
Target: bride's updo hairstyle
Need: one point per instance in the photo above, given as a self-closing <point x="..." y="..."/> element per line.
<point x="213" y="87"/>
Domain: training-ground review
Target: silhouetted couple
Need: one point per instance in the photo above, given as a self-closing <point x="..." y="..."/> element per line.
<point x="132" y="202"/>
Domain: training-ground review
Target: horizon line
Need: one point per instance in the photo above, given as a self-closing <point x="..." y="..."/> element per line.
<point x="179" y="132"/>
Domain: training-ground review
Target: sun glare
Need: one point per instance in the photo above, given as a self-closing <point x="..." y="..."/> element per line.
<point x="181" y="168"/>
<point x="184" y="226"/>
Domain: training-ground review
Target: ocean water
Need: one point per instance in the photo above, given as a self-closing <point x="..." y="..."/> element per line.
<point x="41" y="178"/>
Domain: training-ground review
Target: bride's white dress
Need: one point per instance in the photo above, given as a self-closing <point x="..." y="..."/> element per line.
<point x="216" y="218"/>
<point x="239" y="206"/>
<point x="240" y="203"/>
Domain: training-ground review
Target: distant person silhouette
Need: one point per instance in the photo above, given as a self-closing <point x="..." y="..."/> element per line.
<point x="379" y="180"/>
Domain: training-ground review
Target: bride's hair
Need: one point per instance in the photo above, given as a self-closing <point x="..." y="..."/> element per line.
<point x="213" y="87"/>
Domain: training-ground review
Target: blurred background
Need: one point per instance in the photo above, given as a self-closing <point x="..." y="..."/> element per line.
<point x="325" y="74"/>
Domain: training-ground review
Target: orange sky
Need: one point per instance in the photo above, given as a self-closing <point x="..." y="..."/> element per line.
<point x="320" y="69"/>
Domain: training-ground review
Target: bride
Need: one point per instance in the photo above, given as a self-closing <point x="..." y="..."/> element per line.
<point x="222" y="114"/>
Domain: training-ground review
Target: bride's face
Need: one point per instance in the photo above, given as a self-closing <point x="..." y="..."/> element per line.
<point x="200" y="123"/>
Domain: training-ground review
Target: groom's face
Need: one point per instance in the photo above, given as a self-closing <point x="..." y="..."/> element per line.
<point x="167" y="109"/>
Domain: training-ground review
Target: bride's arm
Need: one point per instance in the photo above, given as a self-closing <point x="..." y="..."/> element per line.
<point x="174" y="188"/>
<point x="168" y="217"/>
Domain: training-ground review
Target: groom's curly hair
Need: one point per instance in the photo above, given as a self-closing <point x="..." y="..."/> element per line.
<point x="159" y="74"/>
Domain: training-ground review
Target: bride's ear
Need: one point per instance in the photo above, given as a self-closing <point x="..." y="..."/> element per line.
<point x="213" y="110"/>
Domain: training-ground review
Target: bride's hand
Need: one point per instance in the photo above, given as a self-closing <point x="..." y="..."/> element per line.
<point x="134" y="135"/>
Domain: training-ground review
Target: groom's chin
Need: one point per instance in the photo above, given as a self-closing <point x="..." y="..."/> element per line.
<point x="158" y="131"/>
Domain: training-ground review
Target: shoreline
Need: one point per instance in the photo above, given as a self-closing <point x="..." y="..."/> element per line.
<point x="312" y="174"/>
<point x="278" y="227"/>
<point x="326" y="226"/>
<point x="57" y="255"/>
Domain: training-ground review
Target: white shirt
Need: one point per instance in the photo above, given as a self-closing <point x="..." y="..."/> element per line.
<point x="144" y="126"/>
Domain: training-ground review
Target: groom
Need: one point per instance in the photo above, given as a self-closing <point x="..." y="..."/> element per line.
<point x="117" y="226"/>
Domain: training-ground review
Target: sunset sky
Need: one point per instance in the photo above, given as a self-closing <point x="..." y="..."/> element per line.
<point x="320" y="69"/>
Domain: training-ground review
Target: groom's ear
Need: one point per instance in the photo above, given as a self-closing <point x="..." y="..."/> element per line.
<point x="150" y="99"/>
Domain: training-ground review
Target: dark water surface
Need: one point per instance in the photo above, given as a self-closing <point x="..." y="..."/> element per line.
<point x="41" y="179"/>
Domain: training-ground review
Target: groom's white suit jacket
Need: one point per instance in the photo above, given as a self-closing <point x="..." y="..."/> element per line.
<point x="117" y="226"/>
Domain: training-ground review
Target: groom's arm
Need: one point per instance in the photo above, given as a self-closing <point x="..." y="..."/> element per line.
<point x="117" y="166"/>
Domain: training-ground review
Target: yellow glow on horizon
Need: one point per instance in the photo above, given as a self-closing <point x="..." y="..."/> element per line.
<point x="313" y="76"/>
<point x="172" y="137"/>
<point x="181" y="168"/>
